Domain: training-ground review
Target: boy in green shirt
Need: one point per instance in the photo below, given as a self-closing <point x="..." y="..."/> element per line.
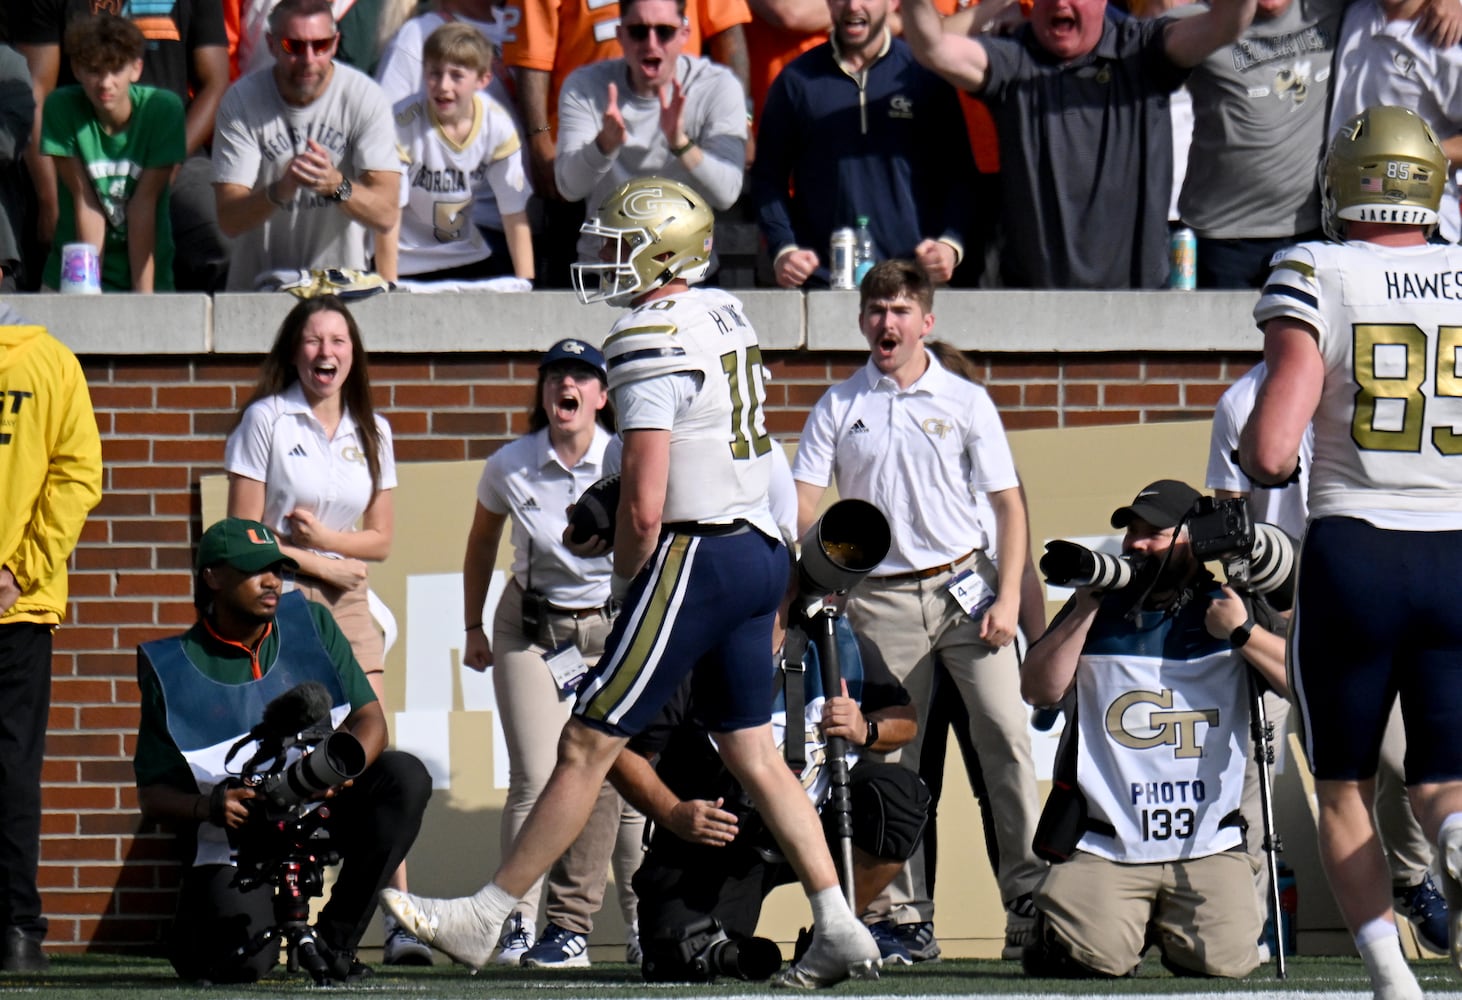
<point x="116" y="145"/>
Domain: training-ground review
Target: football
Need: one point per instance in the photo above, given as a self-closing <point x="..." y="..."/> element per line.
<point x="595" y="511"/>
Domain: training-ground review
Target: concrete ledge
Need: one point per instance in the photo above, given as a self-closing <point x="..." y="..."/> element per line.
<point x="418" y="323"/>
<point x="123" y="324"/>
<point x="1043" y="322"/>
<point x="414" y="323"/>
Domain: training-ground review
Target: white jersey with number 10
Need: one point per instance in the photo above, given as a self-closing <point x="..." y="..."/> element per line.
<point x="720" y="452"/>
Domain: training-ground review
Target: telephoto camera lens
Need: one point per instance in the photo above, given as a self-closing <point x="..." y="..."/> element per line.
<point x="337" y="759"/>
<point x="1067" y="564"/>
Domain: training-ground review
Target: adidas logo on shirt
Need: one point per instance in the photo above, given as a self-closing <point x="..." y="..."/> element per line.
<point x="859" y="427"/>
<point x="298" y="451"/>
<point x="529" y="504"/>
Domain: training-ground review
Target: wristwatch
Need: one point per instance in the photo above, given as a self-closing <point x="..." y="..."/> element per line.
<point x="343" y="192"/>
<point x="1241" y="635"/>
<point x="871" y="736"/>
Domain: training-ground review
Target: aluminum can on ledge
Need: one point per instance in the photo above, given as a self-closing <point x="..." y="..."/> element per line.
<point x="1183" y="260"/>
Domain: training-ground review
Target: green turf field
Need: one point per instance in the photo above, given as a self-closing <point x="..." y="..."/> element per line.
<point x="114" y="978"/>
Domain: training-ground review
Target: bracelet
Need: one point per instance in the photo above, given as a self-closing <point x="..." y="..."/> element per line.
<point x="471" y="628"/>
<point x="539" y="130"/>
<point x="681" y="150"/>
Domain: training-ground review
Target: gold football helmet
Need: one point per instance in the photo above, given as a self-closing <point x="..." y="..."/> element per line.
<point x="654" y="230"/>
<point x="1384" y="165"/>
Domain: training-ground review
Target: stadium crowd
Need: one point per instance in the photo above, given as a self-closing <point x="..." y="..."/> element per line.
<point x="537" y="139"/>
<point x="1039" y="144"/>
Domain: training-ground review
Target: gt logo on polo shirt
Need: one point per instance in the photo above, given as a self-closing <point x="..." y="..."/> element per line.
<point x="936" y="427"/>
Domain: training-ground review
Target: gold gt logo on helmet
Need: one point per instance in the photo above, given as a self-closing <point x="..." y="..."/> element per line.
<point x="649" y="204"/>
<point x="1384" y="165"/>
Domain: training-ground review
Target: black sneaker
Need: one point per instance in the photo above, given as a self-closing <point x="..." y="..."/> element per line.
<point x="1424" y="906"/>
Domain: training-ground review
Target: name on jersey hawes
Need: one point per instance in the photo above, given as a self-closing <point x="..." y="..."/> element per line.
<point x="1412" y="285"/>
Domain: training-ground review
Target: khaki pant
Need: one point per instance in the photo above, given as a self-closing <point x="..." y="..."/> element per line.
<point x="532" y="715"/>
<point x="913" y="623"/>
<point x="351" y="610"/>
<point x="1203" y="912"/>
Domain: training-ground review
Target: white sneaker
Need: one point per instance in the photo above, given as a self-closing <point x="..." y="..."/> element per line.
<point x="516" y="938"/>
<point x="1451" y="859"/>
<point x="456" y="927"/>
<point x="851" y="954"/>
<point x="402" y="947"/>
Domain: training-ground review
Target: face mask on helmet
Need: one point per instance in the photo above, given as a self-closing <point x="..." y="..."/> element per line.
<point x="1384" y="165"/>
<point x="653" y="231"/>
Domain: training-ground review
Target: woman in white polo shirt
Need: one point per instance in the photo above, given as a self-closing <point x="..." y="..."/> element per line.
<point x="312" y="459"/>
<point x="532" y="481"/>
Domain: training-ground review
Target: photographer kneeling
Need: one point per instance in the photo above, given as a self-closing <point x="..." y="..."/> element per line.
<point x="1150" y="772"/>
<point x="712" y="860"/>
<point x="246" y="671"/>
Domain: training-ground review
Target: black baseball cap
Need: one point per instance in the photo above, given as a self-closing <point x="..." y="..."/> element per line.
<point x="1161" y="504"/>
<point x="576" y="352"/>
<point x="247" y="546"/>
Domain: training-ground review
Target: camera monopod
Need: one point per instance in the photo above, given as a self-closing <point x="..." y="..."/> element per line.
<point x="839" y="550"/>
<point x="1262" y="732"/>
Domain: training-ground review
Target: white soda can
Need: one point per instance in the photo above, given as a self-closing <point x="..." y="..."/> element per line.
<point x="843" y="248"/>
<point x="81" y="269"/>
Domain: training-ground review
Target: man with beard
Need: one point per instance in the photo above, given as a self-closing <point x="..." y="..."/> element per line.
<point x="1080" y="101"/>
<point x="1152" y="676"/>
<point x="304" y="155"/>
<point x="205" y="689"/>
<point x="855" y="128"/>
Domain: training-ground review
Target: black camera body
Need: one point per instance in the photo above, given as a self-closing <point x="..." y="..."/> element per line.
<point x="284" y="838"/>
<point x="1256" y="557"/>
<point x="703" y="951"/>
<point x="1220" y="529"/>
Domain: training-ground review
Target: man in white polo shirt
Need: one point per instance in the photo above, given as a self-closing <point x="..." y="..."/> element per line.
<point x="917" y="441"/>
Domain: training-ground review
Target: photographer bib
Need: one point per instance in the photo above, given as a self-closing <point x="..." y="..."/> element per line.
<point x="206" y="718"/>
<point x="1164" y="723"/>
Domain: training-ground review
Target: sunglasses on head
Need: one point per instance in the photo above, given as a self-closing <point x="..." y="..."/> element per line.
<point x="299" y="46"/>
<point x="640" y="32"/>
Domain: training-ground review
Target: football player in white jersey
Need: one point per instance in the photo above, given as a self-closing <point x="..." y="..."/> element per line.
<point x="1363" y="336"/>
<point x="698" y="564"/>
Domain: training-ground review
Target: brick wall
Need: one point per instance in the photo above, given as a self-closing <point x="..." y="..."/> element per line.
<point x="106" y="881"/>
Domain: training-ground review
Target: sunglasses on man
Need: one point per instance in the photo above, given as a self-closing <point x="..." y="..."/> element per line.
<point x="640" y="32"/>
<point x="299" y="46"/>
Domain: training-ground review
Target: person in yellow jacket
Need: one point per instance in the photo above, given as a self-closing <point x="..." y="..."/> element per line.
<point x="51" y="468"/>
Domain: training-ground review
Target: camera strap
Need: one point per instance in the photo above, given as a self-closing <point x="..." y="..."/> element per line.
<point x="794" y="650"/>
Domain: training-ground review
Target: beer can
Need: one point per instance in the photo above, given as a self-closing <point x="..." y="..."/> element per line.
<point x="1183" y="260"/>
<point x="81" y="269"/>
<point x="843" y="248"/>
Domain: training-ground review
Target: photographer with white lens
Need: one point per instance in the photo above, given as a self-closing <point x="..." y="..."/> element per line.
<point x="1150" y="839"/>
<point x="234" y="677"/>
